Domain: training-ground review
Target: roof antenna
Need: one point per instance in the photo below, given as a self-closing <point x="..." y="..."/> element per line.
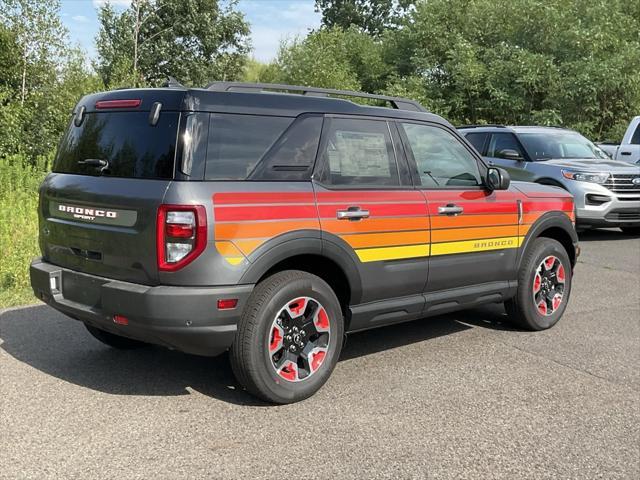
<point x="172" y="83"/>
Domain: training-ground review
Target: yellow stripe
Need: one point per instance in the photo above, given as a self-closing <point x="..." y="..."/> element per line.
<point x="234" y="260"/>
<point x="392" y="253"/>
<point x="476" y="245"/>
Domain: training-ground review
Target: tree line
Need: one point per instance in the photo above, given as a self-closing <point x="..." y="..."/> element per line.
<point x="549" y="62"/>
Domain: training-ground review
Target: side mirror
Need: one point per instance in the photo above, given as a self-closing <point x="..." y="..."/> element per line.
<point x="509" y="154"/>
<point x="498" y="179"/>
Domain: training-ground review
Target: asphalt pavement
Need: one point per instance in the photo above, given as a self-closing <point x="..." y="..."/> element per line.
<point x="459" y="396"/>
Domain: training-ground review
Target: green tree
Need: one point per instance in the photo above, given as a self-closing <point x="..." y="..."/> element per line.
<point x="370" y="16"/>
<point x="192" y="40"/>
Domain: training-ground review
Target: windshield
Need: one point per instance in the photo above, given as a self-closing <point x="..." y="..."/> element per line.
<point x="560" y="144"/>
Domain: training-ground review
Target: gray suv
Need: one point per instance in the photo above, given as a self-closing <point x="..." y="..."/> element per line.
<point x="606" y="192"/>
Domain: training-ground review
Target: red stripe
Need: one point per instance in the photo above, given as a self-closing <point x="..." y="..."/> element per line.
<point x="566" y="205"/>
<point x="262" y="197"/>
<point x="377" y="210"/>
<point x="370" y="196"/>
<point x="477" y="207"/>
<point x="287" y="212"/>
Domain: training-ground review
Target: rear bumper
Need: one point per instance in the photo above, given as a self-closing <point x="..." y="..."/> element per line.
<point x="181" y="318"/>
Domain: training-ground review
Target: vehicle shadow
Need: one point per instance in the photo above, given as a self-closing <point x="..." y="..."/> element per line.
<point x="55" y="345"/>
<point x="598" y="235"/>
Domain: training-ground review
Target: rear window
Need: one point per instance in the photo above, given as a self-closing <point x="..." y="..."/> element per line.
<point x="129" y="145"/>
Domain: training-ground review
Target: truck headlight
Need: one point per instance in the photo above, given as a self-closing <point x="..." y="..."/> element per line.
<point x="586" y="176"/>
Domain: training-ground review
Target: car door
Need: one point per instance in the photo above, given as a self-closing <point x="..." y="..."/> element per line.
<point x="369" y="209"/>
<point x="505" y="151"/>
<point x="474" y="231"/>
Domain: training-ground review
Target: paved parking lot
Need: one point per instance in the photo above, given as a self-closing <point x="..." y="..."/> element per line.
<point x="461" y="396"/>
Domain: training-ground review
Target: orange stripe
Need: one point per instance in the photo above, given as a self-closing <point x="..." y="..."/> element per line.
<point x="456" y="234"/>
<point x="474" y="220"/>
<point x="262" y="229"/>
<point x="227" y="249"/>
<point x="387" y="239"/>
<point x="248" y="246"/>
<point x="375" y="225"/>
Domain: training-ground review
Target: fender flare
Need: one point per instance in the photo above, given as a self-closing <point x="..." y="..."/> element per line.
<point x="546" y="221"/>
<point x="302" y="242"/>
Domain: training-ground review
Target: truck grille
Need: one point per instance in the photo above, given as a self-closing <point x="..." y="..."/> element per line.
<point x="623" y="215"/>
<point x="622" y="183"/>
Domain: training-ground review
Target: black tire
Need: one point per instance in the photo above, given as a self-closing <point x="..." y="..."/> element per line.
<point x="635" y="231"/>
<point x="251" y="354"/>
<point x="522" y="309"/>
<point x="113" y="340"/>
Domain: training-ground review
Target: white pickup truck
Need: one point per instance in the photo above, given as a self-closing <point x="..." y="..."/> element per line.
<point x="629" y="149"/>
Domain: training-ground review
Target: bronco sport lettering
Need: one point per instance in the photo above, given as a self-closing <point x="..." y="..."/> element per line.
<point x="273" y="225"/>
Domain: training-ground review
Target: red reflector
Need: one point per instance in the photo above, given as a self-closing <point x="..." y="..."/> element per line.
<point x="227" y="303"/>
<point x="133" y="103"/>
<point x="120" y="320"/>
<point x="177" y="230"/>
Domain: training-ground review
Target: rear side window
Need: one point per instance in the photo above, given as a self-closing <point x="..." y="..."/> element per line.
<point x="477" y="140"/>
<point x="125" y="141"/>
<point x="238" y="142"/>
<point x="359" y="153"/>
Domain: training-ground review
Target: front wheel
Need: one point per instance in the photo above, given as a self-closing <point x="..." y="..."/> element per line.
<point x="544" y="286"/>
<point x="289" y="337"/>
<point x="635" y="231"/>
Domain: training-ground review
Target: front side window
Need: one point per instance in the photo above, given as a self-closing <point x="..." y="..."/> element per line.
<point x="635" y="139"/>
<point x="359" y="153"/>
<point x="502" y="144"/>
<point x="238" y="142"/>
<point x="441" y="159"/>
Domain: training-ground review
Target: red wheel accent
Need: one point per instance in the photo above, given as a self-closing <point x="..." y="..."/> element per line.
<point x="542" y="307"/>
<point x="537" y="281"/>
<point x="321" y="320"/>
<point x="560" y="274"/>
<point x="317" y="358"/>
<point x="289" y="372"/>
<point x="297" y="306"/>
<point x="548" y="262"/>
<point x="276" y="339"/>
<point x="557" y="300"/>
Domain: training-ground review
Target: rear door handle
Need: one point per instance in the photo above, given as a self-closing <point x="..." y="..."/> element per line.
<point x="625" y="153"/>
<point x="450" y="209"/>
<point x="352" y="213"/>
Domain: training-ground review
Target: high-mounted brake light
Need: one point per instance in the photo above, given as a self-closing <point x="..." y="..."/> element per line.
<point x="131" y="103"/>
<point x="181" y="235"/>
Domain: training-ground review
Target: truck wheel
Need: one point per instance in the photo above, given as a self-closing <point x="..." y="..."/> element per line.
<point x="113" y="340"/>
<point x="289" y="337"/>
<point x="544" y="286"/>
<point x="631" y="230"/>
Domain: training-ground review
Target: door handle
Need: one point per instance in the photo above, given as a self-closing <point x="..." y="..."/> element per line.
<point x="625" y="153"/>
<point x="352" y="213"/>
<point x="450" y="209"/>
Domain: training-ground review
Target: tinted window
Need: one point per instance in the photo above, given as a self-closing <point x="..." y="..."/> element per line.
<point x="359" y="152"/>
<point x="293" y="155"/>
<point x="560" y="144"/>
<point x="238" y="142"/>
<point x="131" y="146"/>
<point x="503" y="141"/>
<point x="635" y="139"/>
<point x="477" y="140"/>
<point x="441" y="159"/>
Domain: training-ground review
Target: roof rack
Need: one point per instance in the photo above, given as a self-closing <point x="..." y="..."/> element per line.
<point x="395" y="102"/>
<point x="491" y="125"/>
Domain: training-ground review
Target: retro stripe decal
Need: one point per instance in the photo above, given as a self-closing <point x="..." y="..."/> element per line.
<point x="402" y="225"/>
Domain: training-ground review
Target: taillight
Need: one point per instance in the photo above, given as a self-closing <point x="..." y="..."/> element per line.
<point x="181" y="235"/>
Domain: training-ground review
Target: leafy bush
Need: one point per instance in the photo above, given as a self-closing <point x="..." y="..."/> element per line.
<point x="19" y="181"/>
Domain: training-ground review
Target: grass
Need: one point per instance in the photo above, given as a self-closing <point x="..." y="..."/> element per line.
<point x="19" y="182"/>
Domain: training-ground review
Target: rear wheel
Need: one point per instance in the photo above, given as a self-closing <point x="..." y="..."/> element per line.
<point x="631" y="230"/>
<point x="544" y="285"/>
<point x="113" y="340"/>
<point x="289" y="337"/>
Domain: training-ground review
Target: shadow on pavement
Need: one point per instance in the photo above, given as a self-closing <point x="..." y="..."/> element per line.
<point x="61" y="347"/>
<point x="599" y="235"/>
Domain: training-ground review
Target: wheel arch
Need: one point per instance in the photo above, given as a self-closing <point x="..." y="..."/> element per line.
<point x="557" y="226"/>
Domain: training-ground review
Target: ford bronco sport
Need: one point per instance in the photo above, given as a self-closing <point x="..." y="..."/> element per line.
<point x="270" y="220"/>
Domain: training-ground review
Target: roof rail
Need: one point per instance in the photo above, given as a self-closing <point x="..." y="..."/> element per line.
<point x="396" y="102"/>
<point x="491" y="125"/>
